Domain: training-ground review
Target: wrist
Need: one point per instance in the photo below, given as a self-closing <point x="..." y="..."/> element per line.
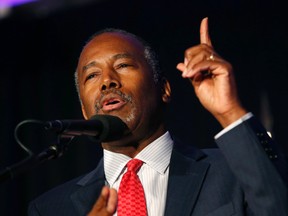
<point x="230" y="116"/>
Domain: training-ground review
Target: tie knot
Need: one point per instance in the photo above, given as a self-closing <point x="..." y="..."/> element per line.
<point x="134" y="165"/>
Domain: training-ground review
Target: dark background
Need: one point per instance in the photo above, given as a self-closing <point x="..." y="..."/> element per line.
<point x="39" y="49"/>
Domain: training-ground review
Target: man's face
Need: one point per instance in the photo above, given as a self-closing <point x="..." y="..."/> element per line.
<point x="115" y="79"/>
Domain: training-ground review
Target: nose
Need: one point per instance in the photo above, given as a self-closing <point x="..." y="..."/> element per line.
<point x="110" y="81"/>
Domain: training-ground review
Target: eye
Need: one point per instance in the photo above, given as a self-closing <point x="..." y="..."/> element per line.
<point x="123" y="65"/>
<point x="91" y="76"/>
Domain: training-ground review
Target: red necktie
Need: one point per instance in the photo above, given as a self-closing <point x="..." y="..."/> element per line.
<point x="131" y="197"/>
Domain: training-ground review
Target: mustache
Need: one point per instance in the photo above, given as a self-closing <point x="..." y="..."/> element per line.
<point x="125" y="97"/>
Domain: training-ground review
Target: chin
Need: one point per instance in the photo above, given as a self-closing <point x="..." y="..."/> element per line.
<point x="129" y="118"/>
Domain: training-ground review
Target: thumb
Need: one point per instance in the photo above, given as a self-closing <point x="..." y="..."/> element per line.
<point x="101" y="203"/>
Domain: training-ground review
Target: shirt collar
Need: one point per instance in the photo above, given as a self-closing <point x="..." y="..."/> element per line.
<point x="156" y="155"/>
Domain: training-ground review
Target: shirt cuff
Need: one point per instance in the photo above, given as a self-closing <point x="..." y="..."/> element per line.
<point x="234" y="124"/>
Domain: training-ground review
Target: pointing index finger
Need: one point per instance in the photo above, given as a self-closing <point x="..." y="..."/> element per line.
<point x="204" y="32"/>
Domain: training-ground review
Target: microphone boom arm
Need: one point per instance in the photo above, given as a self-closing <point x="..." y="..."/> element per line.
<point x="52" y="152"/>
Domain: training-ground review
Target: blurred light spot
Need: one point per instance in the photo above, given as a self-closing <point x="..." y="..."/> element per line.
<point x="11" y="3"/>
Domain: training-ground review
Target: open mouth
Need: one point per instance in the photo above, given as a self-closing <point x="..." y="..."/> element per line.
<point x="112" y="104"/>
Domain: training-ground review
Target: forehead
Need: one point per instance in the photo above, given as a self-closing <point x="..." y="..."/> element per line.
<point x="113" y="42"/>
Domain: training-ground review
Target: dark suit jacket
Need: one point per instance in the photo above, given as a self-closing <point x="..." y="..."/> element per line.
<point x="244" y="178"/>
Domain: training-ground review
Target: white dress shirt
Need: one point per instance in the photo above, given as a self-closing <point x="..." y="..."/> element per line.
<point x="153" y="174"/>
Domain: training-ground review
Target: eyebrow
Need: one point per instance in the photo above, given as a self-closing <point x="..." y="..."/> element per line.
<point x="122" y="55"/>
<point x="86" y="67"/>
<point x="115" y="57"/>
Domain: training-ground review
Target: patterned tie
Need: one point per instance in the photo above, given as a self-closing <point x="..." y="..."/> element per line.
<point x="131" y="197"/>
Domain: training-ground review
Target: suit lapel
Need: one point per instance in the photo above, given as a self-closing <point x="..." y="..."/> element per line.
<point x="186" y="176"/>
<point x="89" y="190"/>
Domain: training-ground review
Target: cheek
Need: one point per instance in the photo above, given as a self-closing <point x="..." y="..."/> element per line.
<point x="88" y="98"/>
<point x="148" y="97"/>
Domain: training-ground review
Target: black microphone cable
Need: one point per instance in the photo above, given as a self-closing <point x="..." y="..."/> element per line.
<point x="11" y="171"/>
<point x="53" y="151"/>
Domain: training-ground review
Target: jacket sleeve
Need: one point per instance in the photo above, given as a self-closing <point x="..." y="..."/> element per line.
<point x="259" y="167"/>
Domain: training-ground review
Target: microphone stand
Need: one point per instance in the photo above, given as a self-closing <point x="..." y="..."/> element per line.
<point x="52" y="152"/>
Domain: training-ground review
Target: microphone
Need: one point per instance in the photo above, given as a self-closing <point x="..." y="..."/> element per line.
<point x="101" y="128"/>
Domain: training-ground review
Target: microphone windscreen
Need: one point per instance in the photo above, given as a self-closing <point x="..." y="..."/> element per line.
<point x="113" y="128"/>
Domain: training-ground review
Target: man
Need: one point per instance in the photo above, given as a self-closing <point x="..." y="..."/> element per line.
<point x="117" y="75"/>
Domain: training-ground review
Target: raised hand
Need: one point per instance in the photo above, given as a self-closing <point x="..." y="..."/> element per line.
<point x="212" y="78"/>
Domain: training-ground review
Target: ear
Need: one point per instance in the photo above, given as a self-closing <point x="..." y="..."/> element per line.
<point x="84" y="112"/>
<point x="166" y="90"/>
